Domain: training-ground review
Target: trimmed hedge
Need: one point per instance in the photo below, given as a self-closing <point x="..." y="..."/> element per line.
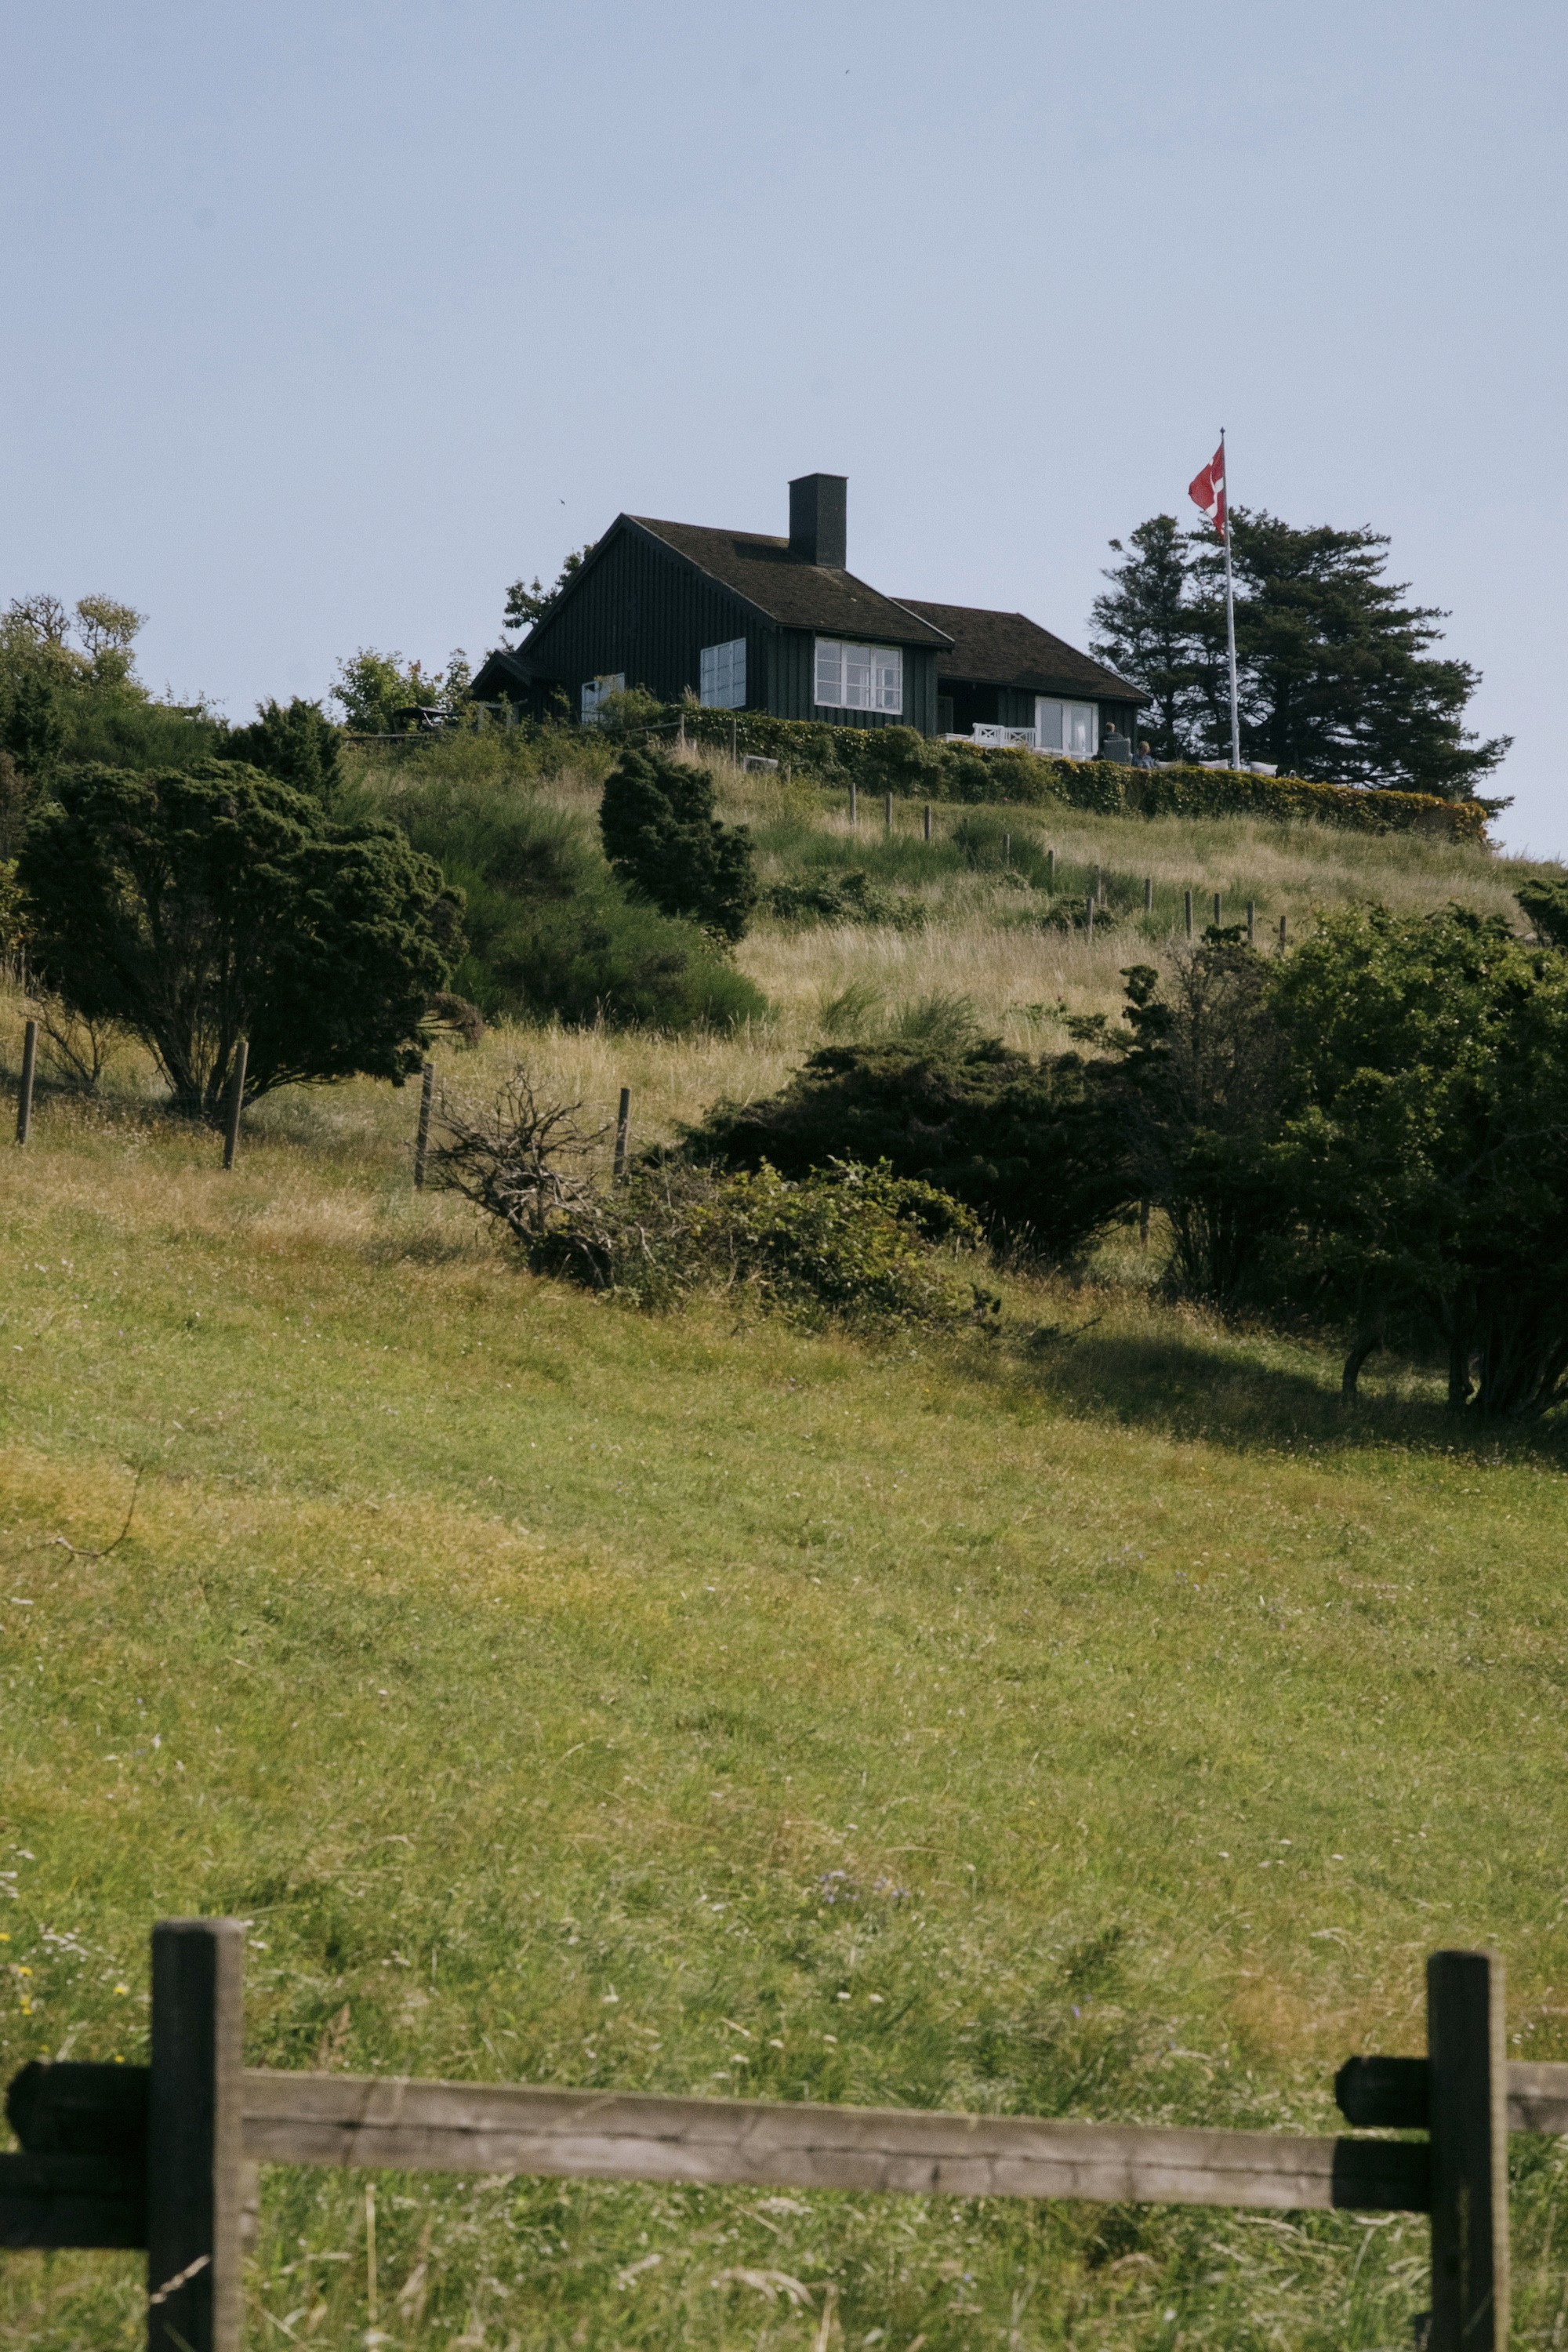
<point x="896" y="760"/>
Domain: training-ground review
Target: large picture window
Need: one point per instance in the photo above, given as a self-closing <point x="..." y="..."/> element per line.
<point x="1071" y="727"/>
<point x="858" y="677"/>
<point x="722" y="676"/>
<point x="598" y="691"/>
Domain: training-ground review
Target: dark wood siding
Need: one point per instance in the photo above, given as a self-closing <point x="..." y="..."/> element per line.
<point x="792" y="687"/>
<point x="643" y="612"/>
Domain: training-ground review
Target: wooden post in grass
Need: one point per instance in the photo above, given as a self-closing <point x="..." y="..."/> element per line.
<point x="854" y="801"/>
<point x="1007" y="853"/>
<point x="1216" y="910"/>
<point x="622" y="1130"/>
<point x="25" y="1098"/>
<point x="196" y="2165"/>
<point x="1282" y="931"/>
<point x="1051" y="871"/>
<point x="1089" y="916"/>
<point x="1189" y="905"/>
<point x="927" y="820"/>
<point x="1149" y="894"/>
<point x="1467" y="2060"/>
<point x="1251" y="923"/>
<point x="235" y="1101"/>
<point x="888" y="813"/>
<point x="421" y="1135"/>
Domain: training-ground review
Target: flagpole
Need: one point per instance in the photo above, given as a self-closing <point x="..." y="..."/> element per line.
<point x="1230" y="613"/>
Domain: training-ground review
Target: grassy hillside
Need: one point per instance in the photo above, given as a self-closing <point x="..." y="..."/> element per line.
<point x="1089" y="1720"/>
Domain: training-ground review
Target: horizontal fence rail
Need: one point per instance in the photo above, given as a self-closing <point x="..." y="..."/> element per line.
<point x="347" y="2119"/>
<point x="164" y="2157"/>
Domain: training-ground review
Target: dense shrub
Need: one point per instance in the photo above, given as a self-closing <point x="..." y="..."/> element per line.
<point x="666" y="845"/>
<point x="850" y="1241"/>
<point x="200" y="906"/>
<point x="550" y="933"/>
<point x="1023" y="1142"/>
<point x="299" y="745"/>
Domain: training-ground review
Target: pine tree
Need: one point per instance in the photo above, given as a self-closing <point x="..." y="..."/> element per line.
<point x="1143" y="628"/>
<point x="663" y="841"/>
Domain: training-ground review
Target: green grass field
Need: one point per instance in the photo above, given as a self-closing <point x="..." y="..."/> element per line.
<point x="1088" y="1720"/>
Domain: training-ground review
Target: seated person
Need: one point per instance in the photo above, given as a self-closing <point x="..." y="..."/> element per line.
<point x="1145" y="757"/>
<point x="1116" y="746"/>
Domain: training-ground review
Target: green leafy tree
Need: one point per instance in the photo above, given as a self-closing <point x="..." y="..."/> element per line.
<point x="299" y="745"/>
<point x="664" y="841"/>
<point x="1426" y="1150"/>
<point x="528" y="601"/>
<point x="195" y="908"/>
<point x="373" y="688"/>
<point x="1143" y="628"/>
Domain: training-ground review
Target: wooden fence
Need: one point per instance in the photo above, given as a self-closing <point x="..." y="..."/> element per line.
<point x="164" y="2156"/>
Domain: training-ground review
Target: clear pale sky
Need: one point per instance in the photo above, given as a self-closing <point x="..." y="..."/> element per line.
<point x="324" y="321"/>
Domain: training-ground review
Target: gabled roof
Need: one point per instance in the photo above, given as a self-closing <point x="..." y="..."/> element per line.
<point x="796" y="595"/>
<point x="1009" y="649"/>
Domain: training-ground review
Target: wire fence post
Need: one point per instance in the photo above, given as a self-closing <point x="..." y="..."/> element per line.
<point x="622" y="1131"/>
<point x="421" y="1135"/>
<point x="1051" y="871"/>
<point x="1251" y="924"/>
<point x="1189" y="913"/>
<point x="1282" y="937"/>
<point x="854" y="801"/>
<point x="1149" y="894"/>
<point x="195" y="2163"/>
<point x="1216" y="910"/>
<point x="888" y="813"/>
<point x="1466" y="2064"/>
<point x="927" y="820"/>
<point x="235" y="1101"/>
<point x="30" y="1066"/>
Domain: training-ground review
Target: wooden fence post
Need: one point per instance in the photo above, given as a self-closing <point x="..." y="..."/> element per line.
<point x="1282" y="940"/>
<point x="1007" y="853"/>
<point x="927" y="820"/>
<point x="1149" y="894"/>
<point x="25" y="1098"/>
<point x="1251" y="923"/>
<point x="235" y="1101"/>
<point x="195" y="2167"/>
<point x="854" y="801"/>
<point x="1216" y="910"/>
<point x="888" y="814"/>
<point x="623" y="1130"/>
<point x="1051" y="871"/>
<point x="1089" y="916"/>
<point x="1466" y="2058"/>
<point x="422" y="1136"/>
<point x="1189" y="903"/>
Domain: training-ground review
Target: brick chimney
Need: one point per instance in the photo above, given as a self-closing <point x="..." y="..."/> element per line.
<point x="817" y="525"/>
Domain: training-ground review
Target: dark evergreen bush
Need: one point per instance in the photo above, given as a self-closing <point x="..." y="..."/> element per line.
<point x="664" y="841"/>
<point x="299" y="745"/>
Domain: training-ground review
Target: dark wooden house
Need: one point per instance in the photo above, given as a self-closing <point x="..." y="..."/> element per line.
<point x="748" y="622"/>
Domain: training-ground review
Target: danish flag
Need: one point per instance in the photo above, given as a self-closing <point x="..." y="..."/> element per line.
<point x="1207" y="490"/>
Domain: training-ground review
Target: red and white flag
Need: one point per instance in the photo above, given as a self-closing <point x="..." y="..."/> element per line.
<point x="1207" y="490"/>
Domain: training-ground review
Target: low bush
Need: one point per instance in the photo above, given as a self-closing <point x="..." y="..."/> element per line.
<point x="1023" y="1142"/>
<point x="849" y="1242"/>
<point x="550" y="933"/>
<point x="851" y="897"/>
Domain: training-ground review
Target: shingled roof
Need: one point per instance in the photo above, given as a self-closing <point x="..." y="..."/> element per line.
<point x="1009" y="649"/>
<point x="796" y="595"/>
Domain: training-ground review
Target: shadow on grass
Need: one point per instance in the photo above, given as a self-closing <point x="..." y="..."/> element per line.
<point x="1256" y="1391"/>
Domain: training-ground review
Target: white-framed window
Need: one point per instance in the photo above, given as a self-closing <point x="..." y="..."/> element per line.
<point x="858" y="677"/>
<point x="722" y="676"/>
<point x="1071" y="727"/>
<point x="597" y="691"/>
